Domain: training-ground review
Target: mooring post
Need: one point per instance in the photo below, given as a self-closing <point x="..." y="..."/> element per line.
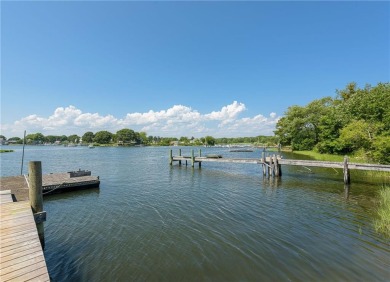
<point x="264" y="161"/>
<point x="279" y="165"/>
<point x="270" y="167"/>
<point x="192" y="158"/>
<point x="180" y="156"/>
<point x="347" y="178"/>
<point x="276" y="166"/>
<point x="170" y="157"/>
<point x="35" y="195"/>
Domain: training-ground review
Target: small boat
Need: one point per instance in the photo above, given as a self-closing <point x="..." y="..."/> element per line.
<point x="91" y="146"/>
<point x="213" y="156"/>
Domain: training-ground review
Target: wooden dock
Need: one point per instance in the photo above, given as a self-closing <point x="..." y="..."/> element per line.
<point x="272" y="164"/>
<point x="73" y="180"/>
<point x="22" y="216"/>
<point x="21" y="257"/>
<point x="51" y="183"/>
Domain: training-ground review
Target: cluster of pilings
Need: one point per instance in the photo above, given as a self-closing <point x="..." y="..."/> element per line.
<point x="271" y="165"/>
<point x="191" y="158"/>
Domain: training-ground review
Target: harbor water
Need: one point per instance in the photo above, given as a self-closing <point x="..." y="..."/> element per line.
<point x="150" y="221"/>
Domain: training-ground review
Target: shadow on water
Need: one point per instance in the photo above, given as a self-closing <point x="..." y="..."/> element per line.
<point x="95" y="191"/>
<point x="62" y="262"/>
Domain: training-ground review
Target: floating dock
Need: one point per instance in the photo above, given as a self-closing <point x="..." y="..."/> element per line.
<point x="51" y="183"/>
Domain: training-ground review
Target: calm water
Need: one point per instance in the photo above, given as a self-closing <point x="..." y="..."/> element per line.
<point x="225" y="222"/>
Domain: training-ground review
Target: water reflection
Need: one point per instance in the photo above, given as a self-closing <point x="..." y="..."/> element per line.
<point x="346" y="191"/>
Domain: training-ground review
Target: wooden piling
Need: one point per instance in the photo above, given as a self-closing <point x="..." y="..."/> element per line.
<point x="270" y="167"/>
<point x="170" y="157"/>
<point x="263" y="163"/>
<point x="276" y="166"/>
<point x="279" y="165"/>
<point x="192" y="158"/>
<point x="35" y="195"/>
<point x="179" y="155"/>
<point x="347" y="178"/>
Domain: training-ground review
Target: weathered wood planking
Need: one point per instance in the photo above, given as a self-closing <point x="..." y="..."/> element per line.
<point x="221" y="160"/>
<point x="21" y="255"/>
<point x="5" y="197"/>
<point x="53" y="181"/>
<point x="17" y="185"/>
<point x="357" y="166"/>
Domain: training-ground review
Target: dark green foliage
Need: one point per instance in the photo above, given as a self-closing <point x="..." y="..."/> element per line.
<point x="88" y="137"/>
<point x="126" y="136"/>
<point x="209" y="140"/>
<point x="357" y="119"/>
<point x="74" y="138"/>
<point x="381" y="149"/>
<point x="36" y="138"/>
<point x="103" y="137"/>
<point x="16" y="140"/>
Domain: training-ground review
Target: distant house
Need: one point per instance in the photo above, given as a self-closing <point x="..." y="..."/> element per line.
<point x="3" y="141"/>
<point x="174" y="143"/>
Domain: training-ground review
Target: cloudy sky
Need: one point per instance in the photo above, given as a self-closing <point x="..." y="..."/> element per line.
<point x="181" y="68"/>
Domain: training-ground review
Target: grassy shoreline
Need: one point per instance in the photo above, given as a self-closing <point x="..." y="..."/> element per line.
<point x="329" y="157"/>
<point x="382" y="224"/>
<point x="381" y="176"/>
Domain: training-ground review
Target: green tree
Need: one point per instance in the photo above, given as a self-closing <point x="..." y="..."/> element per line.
<point x="88" y="137"/>
<point x="370" y="104"/>
<point x="144" y="138"/>
<point x="3" y="137"/>
<point x="125" y="135"/>
<point x="16" y="139"/>
<point x="103" y="137"/>
<point x="358" y="134"/>
<point x="35" y="138"/>
<point x="381" y="149"/>
<point x="74" y="138"/>
<point x="51" y="138"/>
<point x="184" y="140"/>
<point x="210" y="140"/>
<point x="64" y="138"/>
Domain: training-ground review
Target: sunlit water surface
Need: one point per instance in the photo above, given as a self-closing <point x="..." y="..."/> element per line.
<point x="224" y="222"/>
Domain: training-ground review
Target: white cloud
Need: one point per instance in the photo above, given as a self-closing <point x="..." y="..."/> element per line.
<point x="227" y="114"/>
<point x="176" y="121"/>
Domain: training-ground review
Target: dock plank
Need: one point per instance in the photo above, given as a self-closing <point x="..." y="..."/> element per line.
<point x="29" y="257"/>
<point x="5" y="197"/>
<point x="21" y="256"/>
<point x="26" y="273"/>
<point x="22" y="264"/>
<point x="18" y="243"/>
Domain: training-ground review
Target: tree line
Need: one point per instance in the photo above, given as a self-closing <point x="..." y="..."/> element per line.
<point x="356" y="121"/>
<point x="129" y="137"/>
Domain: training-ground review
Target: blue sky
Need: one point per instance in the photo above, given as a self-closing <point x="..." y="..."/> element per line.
<point x="181" y="68"/>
